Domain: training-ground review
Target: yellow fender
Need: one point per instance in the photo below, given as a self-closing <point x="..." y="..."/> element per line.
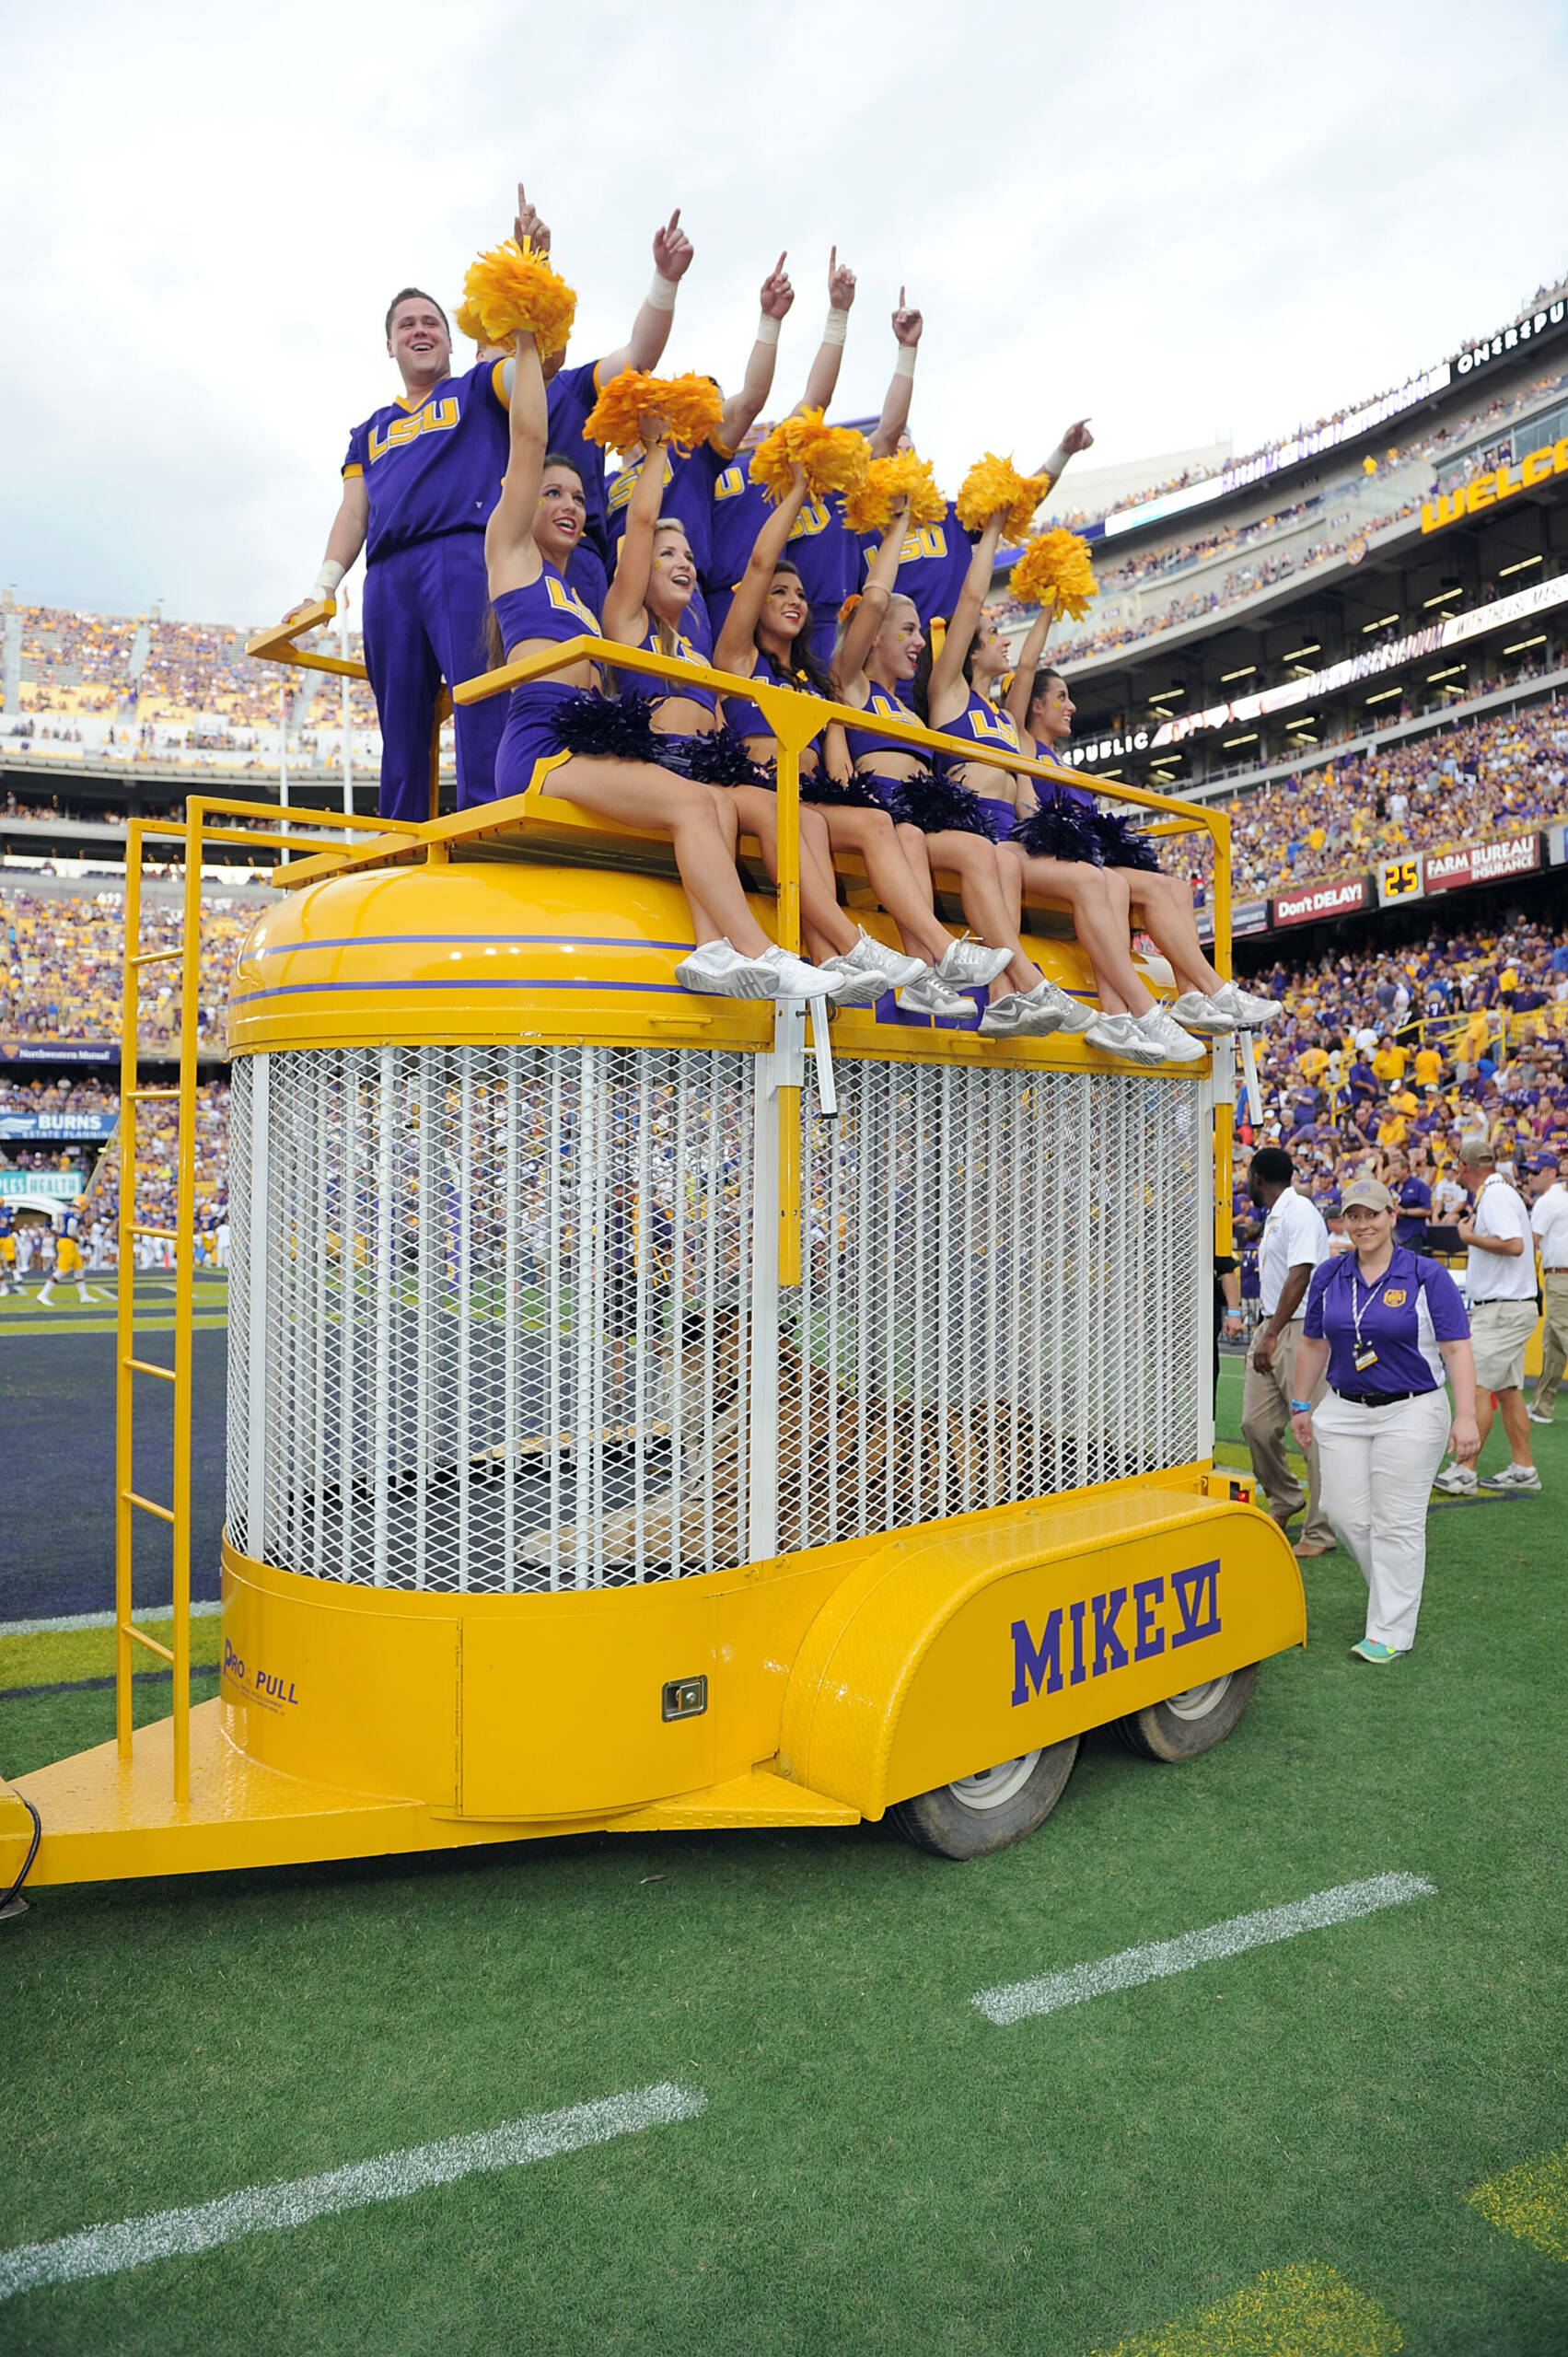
<point x="946" y="1654"/>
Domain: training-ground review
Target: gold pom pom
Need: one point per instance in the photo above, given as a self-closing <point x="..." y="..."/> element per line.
<point x="835" y="457"/>
<point x="888" y="481"/>
<point x="467" y="321"/>
<point x="992" y="482"/>
<point x="516" y="287"/>
<point x="688" y="408"/>
<point x="1054" y="572"/>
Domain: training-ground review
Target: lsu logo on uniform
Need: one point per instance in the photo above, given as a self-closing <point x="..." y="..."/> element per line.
<point x="991" y="727"/>
<point x="566" y="601"/>
<point x="1395" y="1298"/>
<point x="435" y="417"/>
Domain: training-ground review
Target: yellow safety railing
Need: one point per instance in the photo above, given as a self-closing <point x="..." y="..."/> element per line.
<point x="193" y="832"/>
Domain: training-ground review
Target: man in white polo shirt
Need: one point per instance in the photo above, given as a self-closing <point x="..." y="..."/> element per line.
<point x="1548" y="1218"/>
<point x="1500" y="1287"/>
<point x="1295" y="1241"/>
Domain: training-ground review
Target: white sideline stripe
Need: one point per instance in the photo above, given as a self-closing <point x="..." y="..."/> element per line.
<point x="1130" y="1967"/>
<point x="99" y="1619"/>
<point x="259" y="2209"/>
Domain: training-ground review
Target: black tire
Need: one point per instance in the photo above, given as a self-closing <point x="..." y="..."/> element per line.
<point x="1191" y="1723"/>
<point x="965" y="1820"/>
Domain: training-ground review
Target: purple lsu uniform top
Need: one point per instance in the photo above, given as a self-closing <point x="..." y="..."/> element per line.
<point x="1045" y="786"/>
<point x="543" y="608"/>
<point x="821" y="548"/>
<point x="435" y="468"/>
<point x="431" y="475"/>
<point x="933" y="564"/>
<point x="984" y="724"/>
<point x="656" y="691"/>
<point x="1404" y="1314"/>
<point x="864" y="742"/>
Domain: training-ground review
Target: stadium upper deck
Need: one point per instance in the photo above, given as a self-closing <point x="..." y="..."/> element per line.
<point x="1241" y="647"/>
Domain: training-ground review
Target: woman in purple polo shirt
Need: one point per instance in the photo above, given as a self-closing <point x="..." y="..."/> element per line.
<point x="1385" y="1321"/>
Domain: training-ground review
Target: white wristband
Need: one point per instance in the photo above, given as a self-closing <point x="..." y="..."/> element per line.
<point x="326" y="581"/>
<point x="837" y="327"/>
<point x="904" y="365"/>
<point x="768" y="329"/>
<point x="661" y="294"/>
<point x="1056" y="464"/>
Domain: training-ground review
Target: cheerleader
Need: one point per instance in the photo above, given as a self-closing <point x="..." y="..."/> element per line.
<point x="1209" y="1006"/>
<point x="648" y="605"/>
<point x="953" y="690"/>
<point x="767" y="635"/>
<point x="940" y="825"/>
<point x="593" y="752"/>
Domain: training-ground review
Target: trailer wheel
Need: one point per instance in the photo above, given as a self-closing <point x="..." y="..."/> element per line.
<point x="985" y="1812"/>
<point x="1191" y="1723"/>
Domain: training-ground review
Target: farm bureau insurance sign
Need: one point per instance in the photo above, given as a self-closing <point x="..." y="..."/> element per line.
<point x="1482" y="863"/>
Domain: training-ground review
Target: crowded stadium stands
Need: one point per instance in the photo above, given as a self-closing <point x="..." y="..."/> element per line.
<point x="61" y="971"/>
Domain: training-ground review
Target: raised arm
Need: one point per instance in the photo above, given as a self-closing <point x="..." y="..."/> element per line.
<point x="644" y="348"/>
<point x="625" y="606"/>
<point x="737" y="649"/>
<point x="1074" y="438"/>
<point x="907" y="328"/>
<point x="511" y="553"/>
<point x="872" y="611"/>
<point x="742" y="410"/>
<point x="948" y="687"/>
<point x="1020" y="690"/>
<point x="823" y="381"/>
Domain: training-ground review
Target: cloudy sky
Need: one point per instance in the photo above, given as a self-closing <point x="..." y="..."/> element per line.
<point x="1180" y="220"/>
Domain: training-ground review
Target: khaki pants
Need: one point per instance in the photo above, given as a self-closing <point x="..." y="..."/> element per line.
<point x="1265" y="1419"/>
<point x="1554" y="1341"/>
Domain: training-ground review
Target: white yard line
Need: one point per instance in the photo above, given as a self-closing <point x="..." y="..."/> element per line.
<point x="261" y="2209"/>
<point x="70" y="1620"/>
<point x="1016" y="2000"/>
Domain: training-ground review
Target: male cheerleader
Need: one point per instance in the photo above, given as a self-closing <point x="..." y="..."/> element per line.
<point x="820" y="544"/>
<point x="420" y="480"/>
<point x="70" y="1266"/>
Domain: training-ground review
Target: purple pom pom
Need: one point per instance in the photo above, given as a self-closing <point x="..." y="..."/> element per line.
<point x="1120" y="845"/>
<point x="938" y="807"/>
<point x="1059" y="830"/>
<point x="605" y="730"/>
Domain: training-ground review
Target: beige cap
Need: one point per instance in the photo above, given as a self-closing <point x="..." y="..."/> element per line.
<point x="1371" y="1194"/>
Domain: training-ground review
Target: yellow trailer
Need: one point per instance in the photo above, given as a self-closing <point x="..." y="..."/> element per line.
<point x="645" y="1415"/>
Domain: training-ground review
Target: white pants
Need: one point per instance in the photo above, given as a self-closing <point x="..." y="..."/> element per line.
<point x="1378" y="1468"/>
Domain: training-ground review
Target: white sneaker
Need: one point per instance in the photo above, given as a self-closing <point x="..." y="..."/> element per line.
<point x="795" y="979"/>
<point x="1034" y="1014"/>
<point x="971" y="962"/>
<point x="1119" y="1035"/>
<point x="1204" y="1015"/>
<point x="718" y="970"/>
<point x="898" y="970"/>
<point x="1246" y="1011"/>
<point x="1512" y="1477"/>
<point x="928" y="994"/>
<point x="1179" y="1047"/>
<point x="1457" y="1482"/>
<point x="854" y="985"/>
<point x="1539" y="1415"/>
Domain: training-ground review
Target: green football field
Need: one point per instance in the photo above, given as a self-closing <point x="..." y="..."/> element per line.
<point x="1346" y="2141"/>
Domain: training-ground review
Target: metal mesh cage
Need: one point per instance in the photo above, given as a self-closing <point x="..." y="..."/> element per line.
<point x="498" y="1322"/>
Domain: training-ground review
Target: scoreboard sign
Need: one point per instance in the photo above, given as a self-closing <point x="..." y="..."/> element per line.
<point x="1401" y="879"/>
<point x="1482" y="863"/>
